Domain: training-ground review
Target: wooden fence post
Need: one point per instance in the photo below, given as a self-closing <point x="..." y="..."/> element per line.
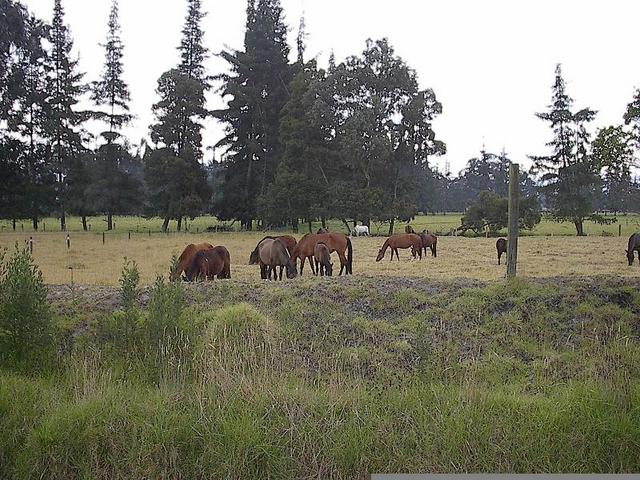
<point x="103" y="238"/>
<point x="512" y="245"/>
<point x="619" y="230"/>
<point x="31" y="245"/>
<point x="68" y="242"/>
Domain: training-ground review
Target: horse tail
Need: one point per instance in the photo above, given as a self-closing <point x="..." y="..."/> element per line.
<point x="435" y="246"/>
<point x="349" y="257"/>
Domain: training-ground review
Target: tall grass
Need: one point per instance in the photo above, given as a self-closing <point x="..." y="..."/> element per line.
<point x="518" y="377"/>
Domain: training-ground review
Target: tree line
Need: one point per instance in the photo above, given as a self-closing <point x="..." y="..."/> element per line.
<point x="354" y="141"/>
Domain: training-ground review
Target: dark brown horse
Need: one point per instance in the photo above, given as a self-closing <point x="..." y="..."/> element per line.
<point x="322" y="257"/>
<point x="335" y="242"/>
<point x="289" y="243"/>
<point x="501" y="247"/>
<point x="186" y="258"/>
<point x="272" y="253"/>
<point x="430" y="241"/>
<point x="206" y="264"/>
<point x="409" y="229"/>
<point x="401" y="240"/>
<point x="634" y="246"/>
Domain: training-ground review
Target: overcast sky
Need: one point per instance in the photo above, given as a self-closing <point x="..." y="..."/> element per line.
<point x="490" y="62"/>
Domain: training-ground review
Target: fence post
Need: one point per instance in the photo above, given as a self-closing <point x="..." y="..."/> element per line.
<point x="512" y="244"/>
<point x="103" y="238"/>
<point x="129" y="234"/>
<point x="31" y="245"/>
<point x="619" y="230"/>
<point x="68" y="242"/>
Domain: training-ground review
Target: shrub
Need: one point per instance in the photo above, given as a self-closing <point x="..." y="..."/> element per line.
<point x="129" y="280"/>
<point x="25" y="319"/>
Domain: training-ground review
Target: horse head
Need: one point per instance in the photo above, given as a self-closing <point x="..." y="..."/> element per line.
<point x="380" y="255"/>
<point x="629" y="256"/>
<point x="329" y="269"/>
<point x="292" y="269"/>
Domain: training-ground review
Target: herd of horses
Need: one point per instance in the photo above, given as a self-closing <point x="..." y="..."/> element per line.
<point x="275" y="254"/>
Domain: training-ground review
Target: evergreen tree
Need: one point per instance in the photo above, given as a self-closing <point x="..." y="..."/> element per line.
<point x="26" y="119"/>
<point x="175" y="177"/>
<point x="632" y="116"/>
<point x="13" y="16"/>
<point x="113" y="188"/>
<point x="62" y="128"/>
<point x="613" y="153"/>
<point x="569" y="175"/>
<point x="257" y="87"/>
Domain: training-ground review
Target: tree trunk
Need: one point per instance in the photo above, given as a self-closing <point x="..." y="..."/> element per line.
<point x="346" y="224"/>
<point x="109" y="221"/>
<point x="165" y="224"/>
<point x="324" y="223"/>
<point x="84" y="223"/>
<point x="63" y="220"/>
<point x="310" y="226"/>
<point x="391" y="225"/>
<point x="579" y="227"/>
<point x="179" y="226"/>
<point x="34" y="219"/>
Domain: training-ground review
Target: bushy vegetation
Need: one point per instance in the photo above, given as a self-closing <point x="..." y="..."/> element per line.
<point x="338" y="380"/>
<point x="24" y="312"/>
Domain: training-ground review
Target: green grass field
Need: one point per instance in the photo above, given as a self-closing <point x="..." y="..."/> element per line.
<point x="437" y="223"/>
<point x="332" y="379"/>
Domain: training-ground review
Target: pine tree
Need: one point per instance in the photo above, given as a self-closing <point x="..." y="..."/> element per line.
<point x="174" y="174"/>
<point x="63" y="122"/>
<point x="568" y="174"/>
<point x="632" y="116"/>
<point x="26" y="118"/>
<point x="111" y="91"/>
<point x="113" y="188"/>
<point x="258" y="89"/>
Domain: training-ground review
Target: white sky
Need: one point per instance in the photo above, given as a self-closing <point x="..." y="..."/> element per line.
<point x="490" y="62"/>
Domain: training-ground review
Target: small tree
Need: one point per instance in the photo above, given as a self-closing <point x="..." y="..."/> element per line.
<point x="25" y="319"/>
<point x="492" y="211"/>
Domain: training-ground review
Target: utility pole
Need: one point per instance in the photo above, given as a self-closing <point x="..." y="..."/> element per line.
<point x="514" y="200"/>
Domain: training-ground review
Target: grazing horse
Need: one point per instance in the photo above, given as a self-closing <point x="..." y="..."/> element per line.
<point x="272" y="254"/>
<point x="289" y="243"/>
<point x="430" y="241"/>
<point x="322" y="230"/>
<point x="186" y="258"/>
<point x="501" y="247"/>
<point x="206" y="264"/>
<point x="360" y="230"/>
<point x="401" y="240"/>
<point x="409" y="229"/>
<point x="322" y="257"/>
<point x="634" y="246"/>
<point x="335" y="242"/>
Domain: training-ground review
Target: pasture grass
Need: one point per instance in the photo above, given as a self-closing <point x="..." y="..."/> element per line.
<point x="90" y="262"/>
<point x="336" y="379"/>
<point x="441" y="223"/>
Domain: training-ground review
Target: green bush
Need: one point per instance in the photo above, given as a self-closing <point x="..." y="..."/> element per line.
<point x="25" y="319"/>
<point x="129" y="281"/>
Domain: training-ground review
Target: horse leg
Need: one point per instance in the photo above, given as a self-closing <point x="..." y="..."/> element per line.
<point x="313" y="268"/>
<point x="343" y="262"/>
<point x="281" y="269"/>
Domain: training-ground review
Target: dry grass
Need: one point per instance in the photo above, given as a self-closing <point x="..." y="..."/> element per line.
<point x="97" y="264"/>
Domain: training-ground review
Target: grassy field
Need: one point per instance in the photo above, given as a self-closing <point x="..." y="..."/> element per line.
<point x="473" y="258"/>
<point x="337" y="380"/>
<point x="436" y="223"/>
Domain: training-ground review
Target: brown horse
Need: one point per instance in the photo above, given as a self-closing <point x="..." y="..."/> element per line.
<point x="186" y="258"/>
<point x="323" y="260"/>
<point x="206" y="264"/>
<point x="501" y="247"/>
<point x="335" y="242"/>
<point x="634" y="246"/>
<point x="409" y="229"/>
<point x="289" y="243"/>
<point x="430" y="241"/>
<point x="401" y="240"/>
<point x="273" y="253"/>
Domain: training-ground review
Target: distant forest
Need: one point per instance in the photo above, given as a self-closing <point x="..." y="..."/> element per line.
<point x="352" y="140"/>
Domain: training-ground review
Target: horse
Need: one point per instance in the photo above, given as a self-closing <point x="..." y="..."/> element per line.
<point x="206" y="264"/>
<point x="634" y="246"/>
<point x="409" y="229"/>
<point x="289" y="243"/>
<point x="401" y="240"/>
<point x="226" y="271"/>
<point x="186" y="258"/>
<point x="360" y="229"/>
<point x="273" y="253"/>
<point x="335" y="242"/>
<point x="430" y="241"/>
<point x="322" y="230"/>
<point x="323" y="260"/>
<point x="501" y="247"/>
